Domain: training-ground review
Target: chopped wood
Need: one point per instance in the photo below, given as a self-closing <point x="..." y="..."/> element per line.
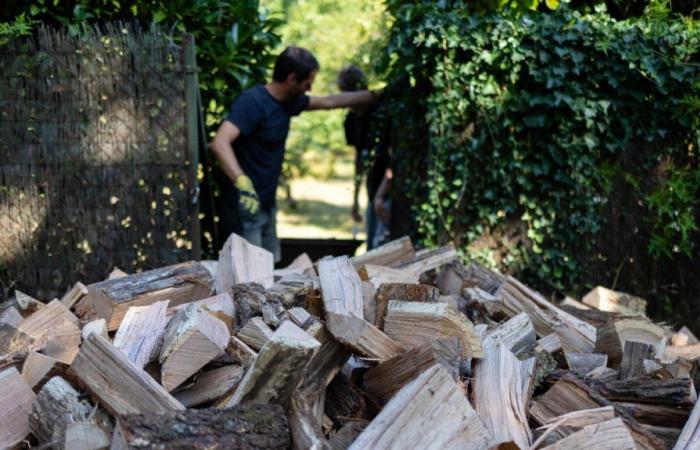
<point x="634" y="355"/>
<point x="608" y="300"/>
<point x="655" y="414"/>
<point x="38" y="368"/>
<point x="347" y="434"/>
<point x="120" y="386"/>
<point x="116" y="273"/>
<point x="692" y="339"/>
<point x="140" y="334"/>
<point x="242" y="262"/>
<point x="690" y="352"/>
<point x="78" y="291"/>
<point x="612" y="337"/>
<point x="412" y="323"/>
<point x="679" y="339"/>
<point x="391" y="254"/>
<point x="574" y="419"/>
<point x="643" y="390"/>
<point x="608" y="435"/>
<point x="362" y="337"/>
<point x="85" y="436"/>
<point x="98" y="326"/>
<point x="387" y="378"/>
<point x="583" y="363"/>
<point x="369" y="304"/>
<point x="452" y="422"/>
<point x="221" y="303"/>
<point x="550" y="343"/>
<point x="573" y="303"/>
<point x="251" y="300"/>
<point x="255" y="333"/>
<point x="603" y="374"/>
<point x="301" y="263"/>
<point x="378" y="275"/>
<point x="341" y="287"/>
<point x="14" y="340"/>
<point x="245" y="426"/>
<point x="16" y="398"/>
<point x="60" y="341"/>
<point x="180" y="283"/>
<point x="211" y="385"/>
<point x="491" y="306"/>
<point x="300" y="317"/>
<point x="344" y="401"/>
<point x="11" y="316"/>
<point x="240" y="352"/>
<point x="27" y="304"/>
<point x="325" y="363"/>
<point x="404" y="292"/>
<point x="192" y="338"/>
<point x="453" y="278"/>
<point x="502" y="387"/>
<point x="669" y="436"/>
<point x="277" y="369"/>
<point x="56" y="406"/>
<point x="305" y="430"/>
<point x="690" y="436"/>
<point x="428" y="260"/>
<point x="515" y="334"/>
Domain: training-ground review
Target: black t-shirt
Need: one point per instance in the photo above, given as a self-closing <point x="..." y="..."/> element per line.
<point x="264" y="125"/>
<point x="369" y="134"/>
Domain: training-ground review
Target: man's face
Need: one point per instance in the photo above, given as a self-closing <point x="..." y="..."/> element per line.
<point x="297" y="88"/>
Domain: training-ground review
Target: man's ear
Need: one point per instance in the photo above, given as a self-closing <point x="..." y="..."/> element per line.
<point x="291" y="78"/>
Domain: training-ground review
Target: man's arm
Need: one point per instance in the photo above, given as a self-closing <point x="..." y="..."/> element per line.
<point x="221" y="146"/>
<point x="382" y="196"/>
<point x="356" y="191"/>
<point x="342" y="100"/>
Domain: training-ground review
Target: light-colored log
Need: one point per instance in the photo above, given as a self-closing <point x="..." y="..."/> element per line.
<point x="690" y="436"/>
<point x="362" y="337"/>
<point x="411" y="323"/>
<point x="97" y="326"/>
<point x="427" y="260"/>
<point x="692" y="339"/>
<point x="576" y="419"/>
<point x="403" y="423"/>
<point x="378" y="275"/>
<point x="220" y="305"/>
<point x="689" y="352"/>
<point x="515" y="334"/>
<point x="612" y="337"/>
<point x="85" y="436"/>
<point x="583" y="363"/>
<point x="572" y="302"/>
<point x="255" y="333"/>
<point x="192" y="339"/>
<point x="211" y="385"/>
<point x="305" y="430"/>
<point x="121" y="387"/>
<point x="38" y="368"/>
<point x="116" y="273"/>
<point x="341" y="287"/>
<point x="403" y="292"/>
<point x="27" y="304"/>
<point x="16" y="398"/>
<point x="78" y="291"/>
<point x="608" y="435"/>
<point x="391" y="254"/>
<point x="240" y="352"/>
<point x="11" y="316"/>
<point x="242" y="262"/>
<point x="608" y="300"/>
<point x="140" y="334"/>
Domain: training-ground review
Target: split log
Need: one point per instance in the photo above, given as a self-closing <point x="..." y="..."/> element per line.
<point x="56" y="406"/>
<point x="120" y="386"/>
<point x="515" y="334"/>
<point x="362" y="337"/>
<point x="253" y="300"/>
<point x="341" y="287"/>
<point x="255" y="333"/>
<point x="608" y="435"/>
<point x="608" y="300"/>
<point x="14" y="340"/>
<point x="180" y="283"/>
<point x="583" y="363"/>
<point x="369" y="304"/>
<point x="550" y="343"/>
<point x="325" y="363"/>
<point x="11" y="317"/>
<point x="140" y="334"/>
<point x="245" y="426"/>
<point x="78" y="291"/>
<point x="16" y="398"/>
<point x="85" y="436"/>
<point x="295" y="290"/>
<point x="240" y="352"/>
<point x="427" y="260"/>
<point x="612" y="337"/>
<point x="677" y="340"/>
<point x="603" y="374"/>
<point x="689" y="352"/>
<point x="98" y="327"/>
<point x="574" y="419"/>
<point x="677" y="392"/>
<point x="453" y="279"/>
<point x="55" y="330"/>
<point x="654" y="414"/>
<point x="27" y="304"/>
<point x="38" y="368"/>
<point x="633" y="356"/>
<point x="573" y="303"/>
<point x="411" y="324"/>
<point x="301" y="264"/>
<point x="487" y="303"/>
<point x="391" y="254"/>
<point x="220" y="306"/>
<point x="690" y="436"/>
<point x="116" y="273"/>
<point x="347" y="434"/>
<point x="192" y="339"/>
<point x="378" y="275"/>
<point x="404" y="292"/>
<point x="277" y="369"/>
<point x="452" y="422"/>
<point x="692" y="339"/>
<point x="384" y="380"/>
<point x="502" y="387"/>
<point x="306" y="432"/>
<point x="211" y="385"/>
<point x="242" y="262"/>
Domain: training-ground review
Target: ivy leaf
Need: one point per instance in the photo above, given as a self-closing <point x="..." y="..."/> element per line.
<point x="552" y="4"/>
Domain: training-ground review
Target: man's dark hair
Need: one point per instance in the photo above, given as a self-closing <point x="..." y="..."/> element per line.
<point x="352" y="78"/>
<point x="296" y="60"/>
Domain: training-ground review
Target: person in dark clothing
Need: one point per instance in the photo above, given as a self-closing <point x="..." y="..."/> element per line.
<point x="250" y="143"/>
<point x="367" y="131"/>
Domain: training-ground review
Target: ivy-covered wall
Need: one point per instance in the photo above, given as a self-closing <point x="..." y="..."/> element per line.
<point x="561" y="146"/>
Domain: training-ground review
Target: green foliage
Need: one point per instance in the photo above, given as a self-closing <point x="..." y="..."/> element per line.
<point x="19" y="26"/>
<point x="234" y="38"/>
<point x="530" y="119"/>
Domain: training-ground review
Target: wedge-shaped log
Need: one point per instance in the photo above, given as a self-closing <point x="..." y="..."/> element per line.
<point x="404" y="424"/>
<point x="608" y="435"/>
<point x="306" y="432"/>
<point x="242" y="262"/>
<point x="502" y="387"/>
<point x="193" y="338"/>
<point x="378" y="275"/>
<point x="78" y="291"/>
<point x="689" y="352"/>
<point x="608" y="300"/>
<point x="341" y="286"/>
<point x="690" y="436"/>
<point x="98" y="326"/>
<point x="56" y="406"/>
<point x="140" y="334"/>
<point x="211" y="385"/>
<point x="255" y="333"/>
<point x="11" y="316"/>
<point x="411" y="323"/>
<point x="121" y="387"/>
<point x="427" y="260"/>
<point x="14" y="340"/>
<point x="362" y="337"/>
<point x="612" y="337"/>
<point x="578" y="419"/>
<point x="16" y="398"/>
<point x="583" y="363"/>
<point x="220" y="305"/>
<point x="387" y="378"/>
<point x="27" y="304"/>
<point x="404" y="292"/>
<point x="180" y="283"/>
<point x="515" y="334"/>
<point x="38" y="368"/>
<point x="633" y="357"/>
<point x="391" y="254"/>
<point x="240" y="352"/>
<point x="277" y="369"/>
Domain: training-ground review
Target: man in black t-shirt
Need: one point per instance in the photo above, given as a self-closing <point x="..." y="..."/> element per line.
<point x="250" y="143"/>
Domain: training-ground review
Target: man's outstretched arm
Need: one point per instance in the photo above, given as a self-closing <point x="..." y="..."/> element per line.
<point x="342" y="100"/>
<point x="221" y="146"/>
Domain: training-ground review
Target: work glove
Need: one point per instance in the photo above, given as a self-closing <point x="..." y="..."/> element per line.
<point x="248" y="203"/>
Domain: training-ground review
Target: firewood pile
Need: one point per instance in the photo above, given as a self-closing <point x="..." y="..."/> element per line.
<point x="395" y="348"/>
